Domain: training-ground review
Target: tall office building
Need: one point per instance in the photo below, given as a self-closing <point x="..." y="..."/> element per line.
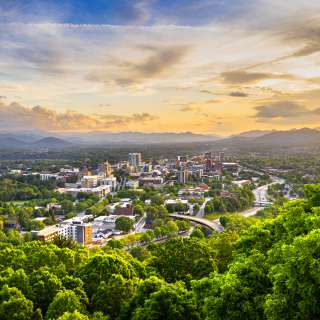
<point x="105" y="169"/>
<point x="182" y="176"/>
<point x="135" y="159"/>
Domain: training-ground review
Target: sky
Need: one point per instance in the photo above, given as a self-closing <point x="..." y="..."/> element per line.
<point x="206" y="66"/>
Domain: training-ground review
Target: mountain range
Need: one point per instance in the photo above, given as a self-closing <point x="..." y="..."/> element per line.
<point x="304" y="137"/>
<point x="270" y="138"/>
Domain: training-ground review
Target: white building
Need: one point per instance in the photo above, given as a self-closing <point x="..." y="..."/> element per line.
<point x="48" y="176"/>
<point x="70" y="170"/>
<point x="100" y="191"/>
<point x="111" y="182"/>
<point x="135" y="159"/>
<point x="132" y="184"/>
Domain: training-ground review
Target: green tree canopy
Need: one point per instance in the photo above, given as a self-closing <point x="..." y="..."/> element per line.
<point x="14" y="305"/>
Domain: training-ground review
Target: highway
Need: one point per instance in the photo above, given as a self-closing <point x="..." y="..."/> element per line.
<point x="200" y="213"/>
<point x="260" y="194"/>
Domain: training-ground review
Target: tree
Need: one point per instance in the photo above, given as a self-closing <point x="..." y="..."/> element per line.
<point x="172" y="227"/>
<point x="124" y="224"/>
<point x="76" y="315"/>
<point x="37" y="315"/>
<point x="170" y="302"/>
<point x="64" y="242"/>
<point x="223" y="245"/>
<point x="312" y="192"/>
<point x="223" y="221"/>
<point x="183" y="225"/>
<point x="145" y="237"/>
<point x="196" y="208"/>
<point x="208" y="208"/>
<point x="99" y="316"/>
<point x="140" y="253"/>
<point x="111" y="296"/>
<point x="295" y="279"/>
<point x="183" y="259"/>
<point x="157" y="199"/>
<point x="237" y="294"/>
<point x="115" y="244"/>
<point x="45" y="285"/>
<point x="18" y="279"/>
<point x="14" y="237"/>
<point x="101" y="267"/>
<point x="197" y="233"/>
<point x="67" y="206"/>
<point x="64" y="301"/>
<point x="14" y="305"/>
<point x="138" y="210"/>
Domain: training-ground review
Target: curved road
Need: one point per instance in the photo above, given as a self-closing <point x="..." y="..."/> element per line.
<point x="212" y="224"/>
<point x="260" y="194"/>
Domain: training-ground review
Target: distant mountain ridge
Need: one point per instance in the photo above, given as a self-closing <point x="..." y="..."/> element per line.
<point x="255" y="138"/>
<point x="294" y="137"/>
<point x="253" y="133"/>
<point x="51" y="142"/>
<point x="290" y="138"/>
<point x="17" y="143"/>
<point x="16" y="140"/>
<point x="139" y="137"/>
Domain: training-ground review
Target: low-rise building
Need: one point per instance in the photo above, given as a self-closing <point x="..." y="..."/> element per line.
<point x="110" y="181"/>
<point x="121" y="208"/>
<point x="151" y="181"/>
<point x="241" y="183"/>
<point x="79" y="232"/>
<point x="100" y="191"/>
<point x="132" y="184"/>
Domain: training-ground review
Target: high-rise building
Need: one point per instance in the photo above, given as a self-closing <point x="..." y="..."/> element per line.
<point x="208" y="155"/>
<point x="182" y="176"/>
<point x="135" y="159"/>
<point x="105" y="169"/>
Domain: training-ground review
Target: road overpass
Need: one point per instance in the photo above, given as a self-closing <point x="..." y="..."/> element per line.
<point x="214" y="225"/>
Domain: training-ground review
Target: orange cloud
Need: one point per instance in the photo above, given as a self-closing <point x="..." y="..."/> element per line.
<point x="15" y="115"/>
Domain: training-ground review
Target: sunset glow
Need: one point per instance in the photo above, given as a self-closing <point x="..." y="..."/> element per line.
<point x="208" y="66"/>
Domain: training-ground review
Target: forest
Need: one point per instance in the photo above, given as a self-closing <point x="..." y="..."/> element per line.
<point x="255" y="269"/>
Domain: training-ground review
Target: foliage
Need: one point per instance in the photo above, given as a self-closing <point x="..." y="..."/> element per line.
<point x="255" y="269"/>
<point x="124" y="224"/>
<point x="183" y="259"/>
<point x="64" y="301"/>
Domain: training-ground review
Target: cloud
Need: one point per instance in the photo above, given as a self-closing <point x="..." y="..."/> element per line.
<point x="34" y="48"/>
<point x="191" y="108"/>
<point x="198" y="108"/>
<point x="206" y="91"/>
<point x="285" y="111"/>
<point x="238" y="94"/>
<point x="158" y="63"/>
<point x="15" y="115"/>
<point x="245" y="77"/>
<point x="305" y="32"/>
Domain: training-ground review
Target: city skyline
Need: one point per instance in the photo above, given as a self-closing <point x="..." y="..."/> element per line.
<point x="210" y="66"/>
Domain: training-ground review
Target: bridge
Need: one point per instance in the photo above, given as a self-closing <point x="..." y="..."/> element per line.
<point x="214" y="225"/>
